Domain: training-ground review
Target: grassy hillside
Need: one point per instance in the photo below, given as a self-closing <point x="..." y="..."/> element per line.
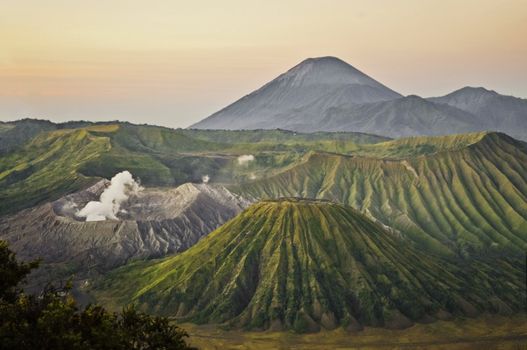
<point x="467" y="197"/>
<point x="48" y="166"/>
<point x="72" y="155"/>
<point x="14" y="134"/>
<point x="302" y="265"/>
<point x="489" y="332"/>
<point x="179" y="156"/>
<point x="418" y="146"/>
<point x="461" y="194"/>
<point x="281" y="136"/>
<point x="61" y="161"/>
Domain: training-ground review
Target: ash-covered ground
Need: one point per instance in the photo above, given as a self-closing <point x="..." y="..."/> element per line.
<point x="149" y="223"/>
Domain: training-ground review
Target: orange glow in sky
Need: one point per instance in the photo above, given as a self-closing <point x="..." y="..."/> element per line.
<point x="175" y="62"/>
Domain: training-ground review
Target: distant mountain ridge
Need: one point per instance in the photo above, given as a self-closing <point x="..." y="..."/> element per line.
<point x="327" y="94"/>
<point x="310" y="87"/>
<point x="402" y="117"/>
<point x="495" y="112"/>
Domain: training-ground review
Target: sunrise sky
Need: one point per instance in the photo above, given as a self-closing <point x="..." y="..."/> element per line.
<point x="175" y="62"/>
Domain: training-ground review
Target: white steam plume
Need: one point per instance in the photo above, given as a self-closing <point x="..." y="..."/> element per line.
<point x="121" y="187"/>
<point x="245" y="159"/>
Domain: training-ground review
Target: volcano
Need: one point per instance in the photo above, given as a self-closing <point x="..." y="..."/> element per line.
<point x="306" y="265"/>
<point x="307" y="91"/>
<point x="153" y="223"/>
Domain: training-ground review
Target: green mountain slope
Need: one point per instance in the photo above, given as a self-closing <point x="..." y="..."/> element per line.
<point x="302" y="265"/>
<point x="418" y="146"/>
<point x="48" y="166"/>
<point x="63" y="160"/>
<point x="14" y="134"/>
<point x="280" y="136"/>
<point x="467" y="196"/>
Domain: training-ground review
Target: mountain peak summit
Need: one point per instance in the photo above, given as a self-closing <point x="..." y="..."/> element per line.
<point x="475" y="90"/>
<point x="327" y="70"/>
<point x="323" y="60"/>
<point x="311" y="88"/>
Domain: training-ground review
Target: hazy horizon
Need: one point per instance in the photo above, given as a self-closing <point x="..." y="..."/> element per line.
<point x="172" y="63"/>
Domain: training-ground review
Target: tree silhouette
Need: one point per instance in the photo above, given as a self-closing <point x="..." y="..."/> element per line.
<point x="53" y="320"/>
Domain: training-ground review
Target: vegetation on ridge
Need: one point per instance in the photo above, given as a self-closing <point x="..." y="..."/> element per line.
<point x="467" y="201"/>
<point x="301" y="264"/>
<point x="52" y="320"/>
<point x="63" y="160"/>
<point x="47" y="167"/>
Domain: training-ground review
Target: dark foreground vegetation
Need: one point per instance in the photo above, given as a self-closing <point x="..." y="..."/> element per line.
<point x="53" y="320"/>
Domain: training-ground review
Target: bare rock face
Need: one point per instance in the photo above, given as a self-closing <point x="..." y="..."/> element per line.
<point x="156" y="222"/>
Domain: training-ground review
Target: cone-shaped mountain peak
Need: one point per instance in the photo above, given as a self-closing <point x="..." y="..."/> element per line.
<point x="328" y="94"/>
<point x="326" y="70"/>
<point x="304" y="265"/>
<point x="465" y="97"/>
<point x="300" y="96"/>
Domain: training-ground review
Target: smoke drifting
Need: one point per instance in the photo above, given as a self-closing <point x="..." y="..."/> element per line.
<point x="245" y="159"/>
<point x="121" y="188"/>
